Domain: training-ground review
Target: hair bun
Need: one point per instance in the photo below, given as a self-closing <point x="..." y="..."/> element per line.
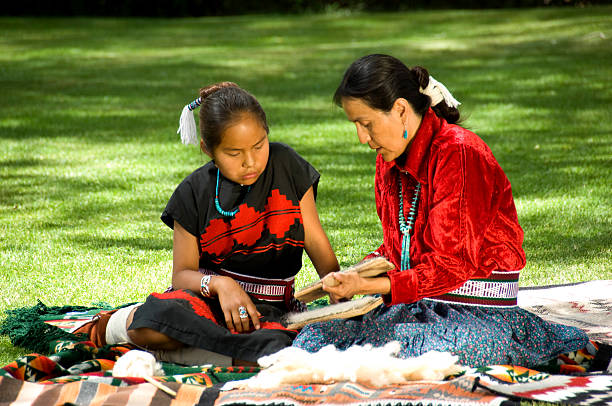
<point x="208" y="90"/>
<point x="421" y="75"/>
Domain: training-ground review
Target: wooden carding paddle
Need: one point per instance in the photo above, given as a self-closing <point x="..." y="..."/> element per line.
<point x="342" y="310"/>
<point x="368" y="268"/>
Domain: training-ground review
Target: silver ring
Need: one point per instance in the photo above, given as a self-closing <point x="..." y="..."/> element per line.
<point x="242" y="312"/>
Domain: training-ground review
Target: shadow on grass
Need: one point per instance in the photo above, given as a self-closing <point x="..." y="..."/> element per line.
<point x="530" y="82"/>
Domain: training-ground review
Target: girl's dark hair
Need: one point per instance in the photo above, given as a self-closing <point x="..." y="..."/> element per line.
<point x="222" y="105"/>
<point x="378" y="80"/>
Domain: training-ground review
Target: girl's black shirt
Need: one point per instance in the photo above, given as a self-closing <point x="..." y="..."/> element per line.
<point x="265" y="238"/>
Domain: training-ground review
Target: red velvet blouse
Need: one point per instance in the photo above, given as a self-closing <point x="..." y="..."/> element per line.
<point x="466" y="225"/>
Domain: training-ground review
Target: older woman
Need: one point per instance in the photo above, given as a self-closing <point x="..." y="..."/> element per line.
<point x="449" y="226"/>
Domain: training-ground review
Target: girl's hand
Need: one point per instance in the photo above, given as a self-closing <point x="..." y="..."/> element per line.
<point x="231" y="298"/>
<point x="342" y="285"/>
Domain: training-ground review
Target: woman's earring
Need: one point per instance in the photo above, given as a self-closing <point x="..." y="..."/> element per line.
<point x="406" y="134"/>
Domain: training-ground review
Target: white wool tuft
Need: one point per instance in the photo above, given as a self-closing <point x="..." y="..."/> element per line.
<point x="372" y="366"/>
<point x="136" y="363"/>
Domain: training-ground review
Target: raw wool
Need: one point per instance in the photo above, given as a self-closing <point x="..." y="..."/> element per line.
<point x="367" y="365"/>
<point x="137" y="363"/>
<point x="142" y="364"/>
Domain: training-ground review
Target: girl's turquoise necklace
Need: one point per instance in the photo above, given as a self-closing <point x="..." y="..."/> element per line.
<point x="405" y="228"/>
<point x="218" y="206"/>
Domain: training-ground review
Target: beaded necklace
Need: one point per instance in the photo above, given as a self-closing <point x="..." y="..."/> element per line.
<point x="218" y="206"/>
<point x="405" y="228"/>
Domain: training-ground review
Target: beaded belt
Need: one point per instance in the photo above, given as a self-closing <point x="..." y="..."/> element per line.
<point x="498" y="290"/>
<point x="271" y="290"/>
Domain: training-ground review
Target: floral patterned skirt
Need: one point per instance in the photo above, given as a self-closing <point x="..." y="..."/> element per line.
<point x="477" y="335"/>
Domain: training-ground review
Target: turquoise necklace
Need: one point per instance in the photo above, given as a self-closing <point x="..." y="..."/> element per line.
<point x="218" y="206"/>
<point x="405" y="228"/>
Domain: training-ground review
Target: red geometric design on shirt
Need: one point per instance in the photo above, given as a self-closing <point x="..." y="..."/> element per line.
<point x="247" y="230"/>
<point x="281" y="224"/>
<point x="264" y="248"/>
<point x="248" y="225"/>
<point x="215" y="237"/>
<point x="199" y="306"/>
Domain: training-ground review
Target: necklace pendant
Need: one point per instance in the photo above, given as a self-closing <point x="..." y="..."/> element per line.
<point x="406" y="226"/>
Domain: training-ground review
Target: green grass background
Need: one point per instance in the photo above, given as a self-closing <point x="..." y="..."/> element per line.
<point x="89" y="153"/>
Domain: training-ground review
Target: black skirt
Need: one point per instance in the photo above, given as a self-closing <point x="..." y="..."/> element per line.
<point x="198" y="322"/>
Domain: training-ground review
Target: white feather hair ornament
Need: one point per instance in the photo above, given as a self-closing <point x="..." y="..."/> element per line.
<point x="438" y="92"/>
<point x="187" y="126"/>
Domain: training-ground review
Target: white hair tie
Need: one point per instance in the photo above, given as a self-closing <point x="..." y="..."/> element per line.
<point x="187" y="126"/>
<point x="438" y="92"/>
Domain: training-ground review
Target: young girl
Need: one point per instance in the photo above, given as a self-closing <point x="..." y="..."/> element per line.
<point x="241" y="223"/>
<point x="449" y="226"/>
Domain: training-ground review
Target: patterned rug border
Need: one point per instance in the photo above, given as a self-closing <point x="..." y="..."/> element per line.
<point x="457" y="392"/>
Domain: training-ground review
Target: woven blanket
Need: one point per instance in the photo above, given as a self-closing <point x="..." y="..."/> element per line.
<point x="457" y="392"/>
<point x="15" y="392"/>
<point x="79" y="373"/>
<point x="586" y="305"/>
<point x="495" y="385"/>
<point x="81" y="361"/>
<point x="524" y="384"/>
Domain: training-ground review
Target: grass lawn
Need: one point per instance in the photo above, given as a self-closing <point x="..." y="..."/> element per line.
<point x="89" y="153"/>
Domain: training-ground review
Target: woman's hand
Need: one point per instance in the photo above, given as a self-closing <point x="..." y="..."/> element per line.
<point x="231" y="298"/>
<point x="348" y="284"/>
<point x="342" y="285"/>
